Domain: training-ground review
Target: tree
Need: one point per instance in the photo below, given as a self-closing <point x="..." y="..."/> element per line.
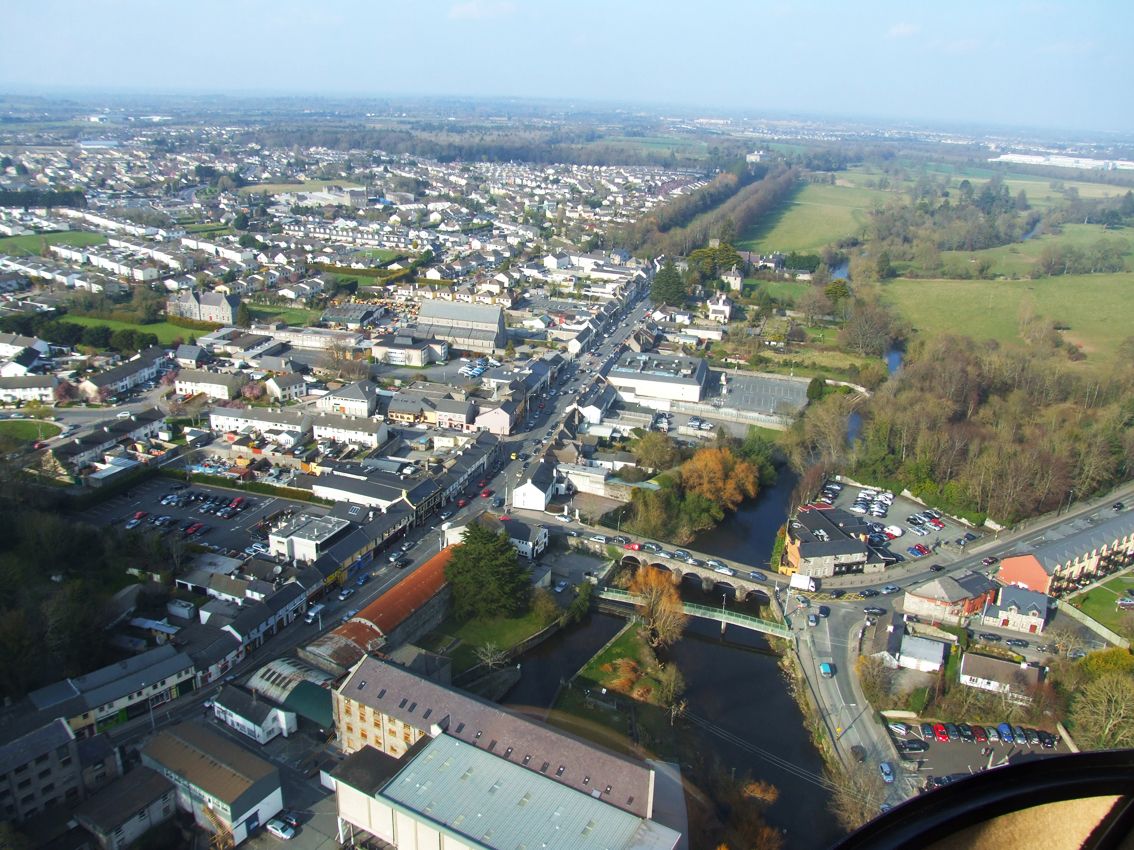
<point x="856" y="795"/>
<point x="253" y="390"/>
<point x="486" y="576"/>
<point x="490" y="655"/>
<point x="875" y="679"/>
<point x="671" y="684"/>
<point x="64" y="391"/>
<point x="659" y="605"/>
<point x="1103" y="712"/>
<point x="869" y="330"/>
<point x="656" y="451"/>
<point x="816" y="388"/>
<point x="814" y="304"/>
<point x="720" y="476"/>
<point x="243" y="316"/>
<point x="666" y="287"/>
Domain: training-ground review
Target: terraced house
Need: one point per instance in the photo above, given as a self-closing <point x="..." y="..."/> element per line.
<point x="1061" y="565"/>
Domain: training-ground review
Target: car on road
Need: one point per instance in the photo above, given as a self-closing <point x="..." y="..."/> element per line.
<point x="989" y="561"/>
<point x="989" y="637"/>
<point x="936" y="568"/>
<point x="887" y="771"/>
<point x="280" y="829"/>
<point x="563" y="517"/>
<point x="597" y="538"/>
<point x="561" y="586"/>
<point x="868" y="593"/>
<point x="1117" y="506"/>
<point x="485" y="493"/>
<point x="890" y="588"/>
<point x="723" y="570"/>
<point x="444" y="515"/>
<point x="874" y="610"/>
<point x="1019" y="643"/>
<point x="695" y="562"/>
<point x="714" y="563"/>
<point x="756" y="575"/>
<point x="632" y="546"/>
<point x="651" y="547"/>
<point x="346" y="593"/>
<point x="620" y="540"/>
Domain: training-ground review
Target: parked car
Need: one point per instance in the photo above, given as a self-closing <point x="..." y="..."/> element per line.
<point x="874" y="610"/>
<point x="914" y="746"/>
<point x="887" y="771"/>
<point x="598" y="538"/>
<point x="280" y="829"/>
<point x="723" y="570"/>
<point x="632" y="546"/>
<point x="890" y="588"/>
<point x="1019" y="643"/>
<point x="899" y="728"/>
<point x="989" y="637"/>
<point x="941" y="733"/>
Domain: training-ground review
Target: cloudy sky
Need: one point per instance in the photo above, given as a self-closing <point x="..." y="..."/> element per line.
<point x="1063" y="65"/>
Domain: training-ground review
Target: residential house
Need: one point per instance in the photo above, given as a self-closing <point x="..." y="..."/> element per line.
<point x="537" y="491"/>
<point x="144" y="366"/>
<point x="357" y="399"/>
<point x="1079" y="558"/>
<point x="1016" y="680"/>
<point x="39" y="388"/>
<point x="290" y="386"/>
<point x="190" y="356"/>
<point x="204" y="306"/>
<point x="720" y="308"/>
<point x="222" y="385"/>
<point x="1018" y="609"/>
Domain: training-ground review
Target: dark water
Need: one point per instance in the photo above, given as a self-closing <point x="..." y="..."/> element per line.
<point x="734" y="683"/>
<point x="749" y="534"/>
<point x="894" y="360"/>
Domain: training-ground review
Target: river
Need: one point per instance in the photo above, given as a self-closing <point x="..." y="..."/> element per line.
<point x="733" y="682"/>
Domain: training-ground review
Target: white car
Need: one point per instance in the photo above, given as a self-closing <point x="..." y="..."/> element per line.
<point x="280" y="829"/>
<point x="560" y="586"/>
<point x="563" y="517"/>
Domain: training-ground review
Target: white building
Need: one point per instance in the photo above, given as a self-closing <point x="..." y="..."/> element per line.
<point x="537" y="491"/>
<point x="212" y="384"/>
<point x="305" y="537"/>
<point x="658" y="377"/>
<point x="29" y="388"/>
<point x="251" y="715"/>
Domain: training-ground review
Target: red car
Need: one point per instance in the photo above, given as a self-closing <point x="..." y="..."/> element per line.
<point x="633" y="547"/>
<point x="980" y="734"/>
<point x="462" y="502"/>
<point x="485" y="493"/>
<point x="940" y="734"/>
<point x="140" y="515"/>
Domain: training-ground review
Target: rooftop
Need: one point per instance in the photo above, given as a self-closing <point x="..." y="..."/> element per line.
<point x="204" y="759"/>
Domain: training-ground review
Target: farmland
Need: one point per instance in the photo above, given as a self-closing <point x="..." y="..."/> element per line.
<point x="817" y="215"/>
<point x="1092" y="307"/>
<point x="307" y="186"/>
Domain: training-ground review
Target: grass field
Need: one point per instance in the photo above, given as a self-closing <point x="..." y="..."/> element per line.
<point x="383" y="254"/>
<point x="1094" y="308"/>
<point x="818" y="215"/>
<point x="782" y="290"/>
<point x="164" y="331"/>
<point x="1019" y="258"/>
<point x="27" y="246"/>
<point x="28" y="429"/>
<point x="308" y="186"/>
<point x="296" y="316"/>
<point x="504" y="632"/>
<point x="1099" y="603"/>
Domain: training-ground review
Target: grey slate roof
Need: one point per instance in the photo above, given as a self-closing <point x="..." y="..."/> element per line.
<point x="123" y="799"/>
<point x="244" y="704"/>
<point x="1025" y="601"/>
<point x="34" y="743"/>
<point x="1058" y="552"/>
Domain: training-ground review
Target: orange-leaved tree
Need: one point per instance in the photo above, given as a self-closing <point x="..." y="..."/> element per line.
<point x="720" y="476"/>
<point x="659" y="605"/>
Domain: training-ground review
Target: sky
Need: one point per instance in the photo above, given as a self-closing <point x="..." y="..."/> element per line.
<point x="1031" y="63"/>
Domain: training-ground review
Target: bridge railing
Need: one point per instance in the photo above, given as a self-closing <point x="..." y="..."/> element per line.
<point x="694" y="610"/>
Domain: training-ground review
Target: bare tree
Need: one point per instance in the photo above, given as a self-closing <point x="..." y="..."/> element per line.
<point x="1103" y="712"/>
<point x="659" y="606"/>
<point x="490" y="655"/>
<point x="856" y="795"/>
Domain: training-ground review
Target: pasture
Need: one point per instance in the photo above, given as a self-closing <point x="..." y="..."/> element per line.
<point x="30" y="246"/>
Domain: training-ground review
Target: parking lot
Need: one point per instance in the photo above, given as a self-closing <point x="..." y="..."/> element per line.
<point x="231" y="535"/>
<point x="942" y="762"/>
<point x="903" y="524"/>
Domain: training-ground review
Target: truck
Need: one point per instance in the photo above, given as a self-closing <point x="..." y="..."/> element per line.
<point x="801" y="582"/>
<point x="313" y="613"/>
<point x="826" y="670"/>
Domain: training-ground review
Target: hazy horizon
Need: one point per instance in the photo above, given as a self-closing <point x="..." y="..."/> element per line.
<point x="1041" y="65"/>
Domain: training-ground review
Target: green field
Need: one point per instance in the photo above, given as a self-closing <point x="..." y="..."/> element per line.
<point x="384" y="255"/>
<point x="28" y="429"/>
<point x="783" y="290"/>
<point x="296" y="316"/>
<point x="818" y="215"/>
<point x="27" y="246"/>
<point x="307" y="186"/>
<point x="1094" y="307"/>
<point x="1099" y="603"/>
<point x="164" y="331"/>
<point x="504" y="632"/>
<point x="1019" y="258"/>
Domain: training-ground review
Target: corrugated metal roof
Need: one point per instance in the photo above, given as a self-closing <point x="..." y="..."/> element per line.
<point x="203" y="758"/>
<point x="474" y="795"/>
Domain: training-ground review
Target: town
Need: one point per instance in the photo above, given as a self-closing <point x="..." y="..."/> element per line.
<point x="367" y="496"/>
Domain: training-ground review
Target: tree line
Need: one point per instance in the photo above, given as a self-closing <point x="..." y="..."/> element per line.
<point x="983" y="431"/>
<point x="26" y="198"/>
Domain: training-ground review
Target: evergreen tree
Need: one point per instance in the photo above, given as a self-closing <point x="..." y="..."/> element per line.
<point x="486" y="576"/>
